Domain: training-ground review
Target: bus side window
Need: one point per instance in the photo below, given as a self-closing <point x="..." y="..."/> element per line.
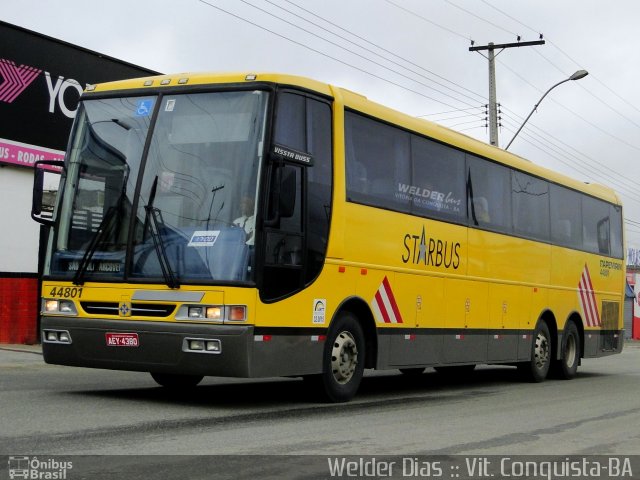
<point x="489" y="190"/>
<point x="616" y="231"/>
<point x="595" y="217"/>
<point x="530" y="206"/>
<point x="566" y="217"/>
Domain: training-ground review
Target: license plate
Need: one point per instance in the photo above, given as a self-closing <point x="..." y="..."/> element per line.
<point x="122" y="339"/>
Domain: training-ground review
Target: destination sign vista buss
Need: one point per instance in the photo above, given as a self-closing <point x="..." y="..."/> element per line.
<point x="260" y="225"/>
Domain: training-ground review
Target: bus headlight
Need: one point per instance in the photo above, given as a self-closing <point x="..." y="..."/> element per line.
<point x="213" y="313"/>
<point x="201" y="312"/>
<point x="59" y="307"/>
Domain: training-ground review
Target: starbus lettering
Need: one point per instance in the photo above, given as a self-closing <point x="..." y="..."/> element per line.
<point x="428" y="251"/>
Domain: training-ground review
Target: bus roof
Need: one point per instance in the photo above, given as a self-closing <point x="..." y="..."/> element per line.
<point x="362" y="104"/>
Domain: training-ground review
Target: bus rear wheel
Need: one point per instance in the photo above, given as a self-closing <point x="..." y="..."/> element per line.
<point x="343" y="360"/>
<point x="174" y="381"/>
<point x="566" y="367"/>
<point x="537" y="368"/>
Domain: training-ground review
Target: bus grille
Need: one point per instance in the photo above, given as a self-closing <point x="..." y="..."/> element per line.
<point x="137" y="309"/>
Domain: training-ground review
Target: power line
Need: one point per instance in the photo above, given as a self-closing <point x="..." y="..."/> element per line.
<point x="509" y="16"/>
<point x="589" y="92"/>
<point x="343" y="62"/>
<point x="581" y="160"/>
<point x="480" y="18"/>
<point x="387" y="51"/>
<point x="427" y="20"/>
<point x="624" y="100"/>
<point x="588" y="174"/>
<point x="347" y="49"/>
<point x="457" y="117"/>
<point x="452" y="111"/>
<point x="592" y="75"/>
<point x="588" y="122"/>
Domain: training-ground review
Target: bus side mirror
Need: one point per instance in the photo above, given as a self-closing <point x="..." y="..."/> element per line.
<point x="287" y="202"/>
<point x="43" y="200"/>
<point x="282" y="198"/>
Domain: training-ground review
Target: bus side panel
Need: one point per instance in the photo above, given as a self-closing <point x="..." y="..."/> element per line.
<point x="287" y="354"/>
<point x="420" y="303"/>
<point x="516" y="269"/>
<point x="505" y="310"/>
<point x="465" y="337"/>
<point x="290" y="334"/>
<point x="566" y="270"/>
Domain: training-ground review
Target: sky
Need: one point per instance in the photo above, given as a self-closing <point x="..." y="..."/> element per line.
<point x="411" y="55"/>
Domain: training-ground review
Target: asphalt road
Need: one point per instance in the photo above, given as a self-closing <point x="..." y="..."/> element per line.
<point x="52" y="410"/>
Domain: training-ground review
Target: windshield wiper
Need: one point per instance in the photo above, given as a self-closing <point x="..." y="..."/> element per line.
<point x="101" y="232"/>
<point x="97" y="239"/>
<point x="153" y="219"/>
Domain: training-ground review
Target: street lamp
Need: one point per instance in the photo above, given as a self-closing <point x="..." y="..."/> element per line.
<point x="576" y="76"/>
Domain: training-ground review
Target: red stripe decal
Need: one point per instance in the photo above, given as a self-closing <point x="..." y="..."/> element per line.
<point x="392" y="300"/>
<point x="383" y="309"/>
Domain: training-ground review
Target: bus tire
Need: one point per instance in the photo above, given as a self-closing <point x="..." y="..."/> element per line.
<point x="343" y="359"/>
<point x="174" y="381"/>
<point x="566" y="367"/>
<point x="537" y="368"/>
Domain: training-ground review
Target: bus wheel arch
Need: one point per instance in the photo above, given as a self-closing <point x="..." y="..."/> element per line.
<point x="360" y="309"/>
<point x="351" y="338"/>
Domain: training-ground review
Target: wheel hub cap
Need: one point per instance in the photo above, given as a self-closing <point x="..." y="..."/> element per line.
<point x="344" y="357"/>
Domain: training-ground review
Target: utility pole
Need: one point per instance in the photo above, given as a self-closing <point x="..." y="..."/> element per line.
<point x="491" y="56"/>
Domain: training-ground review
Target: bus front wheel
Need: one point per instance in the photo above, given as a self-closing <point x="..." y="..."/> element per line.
<point x="536" y="369"/>
<point x="173" y="381"/>
<point x="343" y="360"/>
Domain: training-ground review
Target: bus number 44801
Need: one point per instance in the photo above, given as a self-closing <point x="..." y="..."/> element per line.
<point x="66" y="292"/>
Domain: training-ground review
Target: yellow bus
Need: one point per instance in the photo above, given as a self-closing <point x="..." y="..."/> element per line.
<point x="254" y="225"/>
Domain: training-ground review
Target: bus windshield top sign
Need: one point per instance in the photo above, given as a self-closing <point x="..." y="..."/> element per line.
<point x="291" y="155"/>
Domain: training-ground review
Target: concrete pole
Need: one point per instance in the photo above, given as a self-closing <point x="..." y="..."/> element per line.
<point x="493" y="107"/>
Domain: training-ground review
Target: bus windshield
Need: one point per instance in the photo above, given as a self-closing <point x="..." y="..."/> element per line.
<point x="162" y="189"/>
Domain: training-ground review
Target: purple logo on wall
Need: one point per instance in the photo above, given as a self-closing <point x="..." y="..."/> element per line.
<point x="15" y="79"/>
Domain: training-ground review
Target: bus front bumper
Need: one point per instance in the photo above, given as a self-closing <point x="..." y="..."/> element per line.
<point x="145" y="346"/>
